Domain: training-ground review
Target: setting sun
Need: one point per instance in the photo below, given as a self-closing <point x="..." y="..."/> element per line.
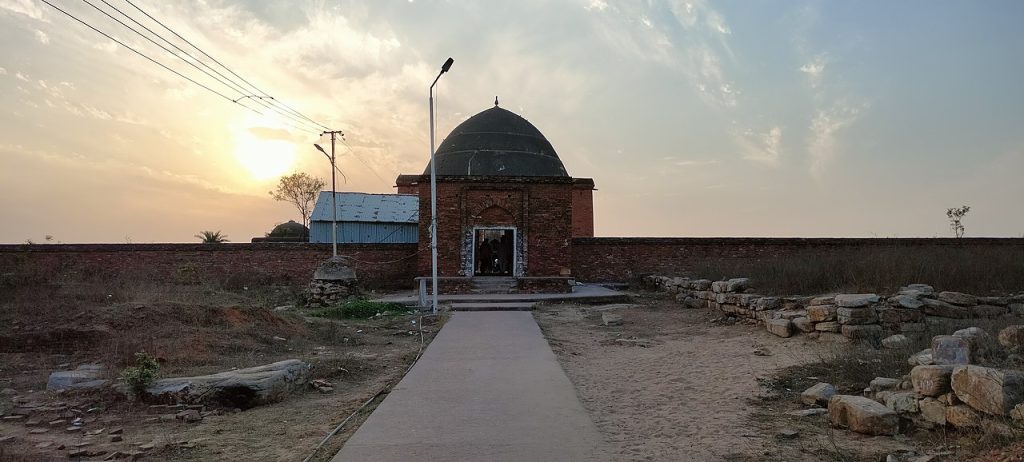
<point x="263" y="158"/>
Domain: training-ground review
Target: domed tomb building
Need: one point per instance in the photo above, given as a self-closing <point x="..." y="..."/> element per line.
<point x="506" y="205"/>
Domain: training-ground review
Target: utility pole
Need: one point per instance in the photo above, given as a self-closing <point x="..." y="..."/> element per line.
<point x="433" y="193"/>
<point x="334" y="190"/>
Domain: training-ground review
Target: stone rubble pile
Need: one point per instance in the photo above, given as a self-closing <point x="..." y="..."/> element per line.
<point x="855" y="316"/>
<point x="333" y="283"/>
<point x="952" y="390"/>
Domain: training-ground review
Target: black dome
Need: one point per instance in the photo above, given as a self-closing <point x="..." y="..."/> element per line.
<point x="290" y="229"/>
<point x="497" y="142"/>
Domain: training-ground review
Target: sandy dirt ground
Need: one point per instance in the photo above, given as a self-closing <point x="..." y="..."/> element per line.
<point x="198" y="335"/>
<point x="692" y="393"/>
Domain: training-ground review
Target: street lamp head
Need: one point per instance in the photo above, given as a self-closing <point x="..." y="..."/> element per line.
<point x="447" y="65"/>
<point x="318" y="148"/>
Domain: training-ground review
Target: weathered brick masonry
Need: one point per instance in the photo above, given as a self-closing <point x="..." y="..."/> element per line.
<point x="377" y="265"/>
<point x="624" y="259"/>
<point x="539" y="209"/>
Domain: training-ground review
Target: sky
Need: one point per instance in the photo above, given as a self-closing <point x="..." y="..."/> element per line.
<point x="695" y="118"/>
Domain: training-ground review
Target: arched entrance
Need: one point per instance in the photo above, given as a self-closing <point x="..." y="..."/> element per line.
<point x="494" y="251"/>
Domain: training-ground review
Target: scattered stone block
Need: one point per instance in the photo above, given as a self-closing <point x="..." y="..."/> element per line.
<point x="821" y="313"/>
<point x="780" y="327"/>
<point x="962" y="416"/>
<point x="903" y="402"/>
<point x="819" y="394"/>
<point x="189" y="416"/>
<point x="989" y="311"/>
<point x="855" y="300"/>
<point x="766" y="303"/>
<point x="895" y="341"/>
<point x="701" y="284"/>
<point x="85" y="377"/>
<point x="803" y="324"/>
<point x="790" y="314"/>
<point x="828" y="300"/>
<point x="862" y="415"/>
<point x="862" y="332"/>
<point x="719" y="287"/>
<point x="957" y="298"/>
<point x="942" y="309"/>
<point x="931" y="380"/>
<point x="948" y="349"/>
<point x="737" y="285"/>
<point x="243" y="388"/>
<point x="856" y="316"/>
<point x="997" y="301"/>
<point x="787" y="434"/>
<point x="611" y="319"/>
<point x="923" y="289"/>
<point x="980" y="341"/>
<point x="1012" y="336"/>
<point x="949" y="399"/>
<point x="1017" y="413"/>
<point x="882" y="383"/>
<point x="899" y="315"/>
<point x="830" y="326"/>
<point x="907" y="301"/>
<point x="932" y="411"/>
<point x="1017" y="309"/>
<point x="989" y="390"/>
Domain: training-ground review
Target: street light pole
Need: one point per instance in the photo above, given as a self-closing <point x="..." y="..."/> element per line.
<point x="433" y="192"/>
<point x="334" y="189"/>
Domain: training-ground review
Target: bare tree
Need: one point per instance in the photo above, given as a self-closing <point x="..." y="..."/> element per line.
<point x="300" y="190"/>
<point x="956" y="215"/>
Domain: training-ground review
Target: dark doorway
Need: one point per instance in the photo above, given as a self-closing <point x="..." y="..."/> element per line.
<point x="493" y="250"/>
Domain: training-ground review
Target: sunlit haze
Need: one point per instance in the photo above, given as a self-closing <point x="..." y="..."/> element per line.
<point x="797" y="118"/>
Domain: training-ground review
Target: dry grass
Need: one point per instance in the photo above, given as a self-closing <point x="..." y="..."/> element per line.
<point x="881" y="269"/>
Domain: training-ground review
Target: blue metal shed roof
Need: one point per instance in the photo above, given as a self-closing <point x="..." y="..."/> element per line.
<point x="365" y="207"/>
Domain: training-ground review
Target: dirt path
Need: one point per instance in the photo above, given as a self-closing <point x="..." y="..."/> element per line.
<point x="691" y="395"/>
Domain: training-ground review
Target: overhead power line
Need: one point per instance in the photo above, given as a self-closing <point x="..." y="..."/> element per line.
<point x="268" y="102"/>
<point x="220" y="78"/>
<point x="147" y="57"/>
<point x="256" y="89"/>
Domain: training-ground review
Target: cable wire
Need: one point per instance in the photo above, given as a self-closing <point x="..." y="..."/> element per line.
<point x="223" y="80"/>
<point x="285" y="106"/>
<point x="147" y="57"/>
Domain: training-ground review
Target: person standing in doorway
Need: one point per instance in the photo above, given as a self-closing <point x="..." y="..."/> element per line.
<point x="485" y="256"/>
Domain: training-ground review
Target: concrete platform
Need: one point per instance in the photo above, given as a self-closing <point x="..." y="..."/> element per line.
<point x="488" y="388"/>
<point x="587" y="293"/>
<point x="493" y="306"/>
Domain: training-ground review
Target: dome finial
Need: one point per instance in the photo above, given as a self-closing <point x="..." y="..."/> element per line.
<point x="495" y="101"/>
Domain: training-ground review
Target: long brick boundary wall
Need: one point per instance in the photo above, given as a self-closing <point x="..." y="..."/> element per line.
<point x="624" y="259"/>
<point x="376" y="265"/>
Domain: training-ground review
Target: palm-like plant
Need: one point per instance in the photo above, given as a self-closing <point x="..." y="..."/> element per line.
<point x="212" y="237"/>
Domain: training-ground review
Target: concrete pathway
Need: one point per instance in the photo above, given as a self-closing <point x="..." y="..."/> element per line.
<point x="488" y="388"/>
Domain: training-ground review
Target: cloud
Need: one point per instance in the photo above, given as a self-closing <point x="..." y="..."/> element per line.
<point x="268" y="133"/>
<point x="42" y="37"/>
<point x="3" y="71"/>
<point x="598" y="5"/>
<point x="695" y="163"/>
<point x="815" y="69"/>
<point x="762" y="147"/>
<point x="28" y="8"/>
<point x="824" y="134"/>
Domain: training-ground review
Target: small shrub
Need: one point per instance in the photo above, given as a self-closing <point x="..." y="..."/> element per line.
<point x="361" y="309"/>
<point x="143" y="373"/>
